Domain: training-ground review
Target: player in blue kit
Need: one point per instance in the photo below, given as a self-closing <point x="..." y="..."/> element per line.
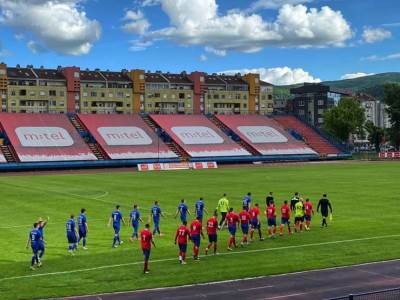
<point x="134" y="219"/>
<point x="72" y="235"/>
<point x="41" y="224"/>
<point x="34" y="239"/>
<point x="247" y="201"/>
<point x="156" y="214"/>
<point x="200" y="209"/>
<point x="183" y="211"/>
<point x="82" y="228"/>
<point x="116" y="218"/>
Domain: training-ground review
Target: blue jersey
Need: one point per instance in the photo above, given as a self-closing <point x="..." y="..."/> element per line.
<point x="156" y="212"/>
<point x="199" y="206"/>
<point x="35" y="237"/>
<point x="183" y="209"/>
<point x="70" y="226"/>
<point x="135" y="216"/>
<point x="82" y="221"/>
<point x="246" y="201"/>
<point x="116" y="217"/>
<point x="41" y="230"/>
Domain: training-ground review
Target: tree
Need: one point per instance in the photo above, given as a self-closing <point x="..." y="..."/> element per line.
<point x="375" y="135"/>
<point x="392" y="100"/>
<point x="346" y="118"/>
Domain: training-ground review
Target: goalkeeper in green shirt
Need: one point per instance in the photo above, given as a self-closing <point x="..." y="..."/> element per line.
<point x="299" y="216"/>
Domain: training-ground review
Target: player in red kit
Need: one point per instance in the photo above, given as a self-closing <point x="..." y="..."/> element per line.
<point x="244" y="217"/>
<point x="308" y="211"/>
<point x="271" y="219"/>
<point x="146" y="239"/>
<point x="182" y="235"/>
<point x="196" y="231"/>
<point x="285" y="218"/>
<point x="232" y="219"/>
<point x="255" y="222"/>
<point x="212" y="226"/>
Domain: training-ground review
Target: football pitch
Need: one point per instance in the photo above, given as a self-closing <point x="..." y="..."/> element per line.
<point x="365" y="226"/>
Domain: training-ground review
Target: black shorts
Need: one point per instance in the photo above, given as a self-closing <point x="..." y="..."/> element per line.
<point x="324" y="214"/>
<point x="298" y="219"/>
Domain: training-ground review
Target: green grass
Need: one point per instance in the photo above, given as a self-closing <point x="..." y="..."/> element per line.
<point x="365" y="199"/>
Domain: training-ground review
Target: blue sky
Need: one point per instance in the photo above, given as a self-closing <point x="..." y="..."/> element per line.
<point x="287" y="41"/>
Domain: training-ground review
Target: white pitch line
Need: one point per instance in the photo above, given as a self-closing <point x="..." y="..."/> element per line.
<point x="221" y="254"/>
<point x="283" y="296"/>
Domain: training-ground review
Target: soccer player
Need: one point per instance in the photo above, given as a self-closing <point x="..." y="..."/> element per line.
<point x="308" y="211"/>
<point x="72" y="234"/>
<point x="285" y="218"/>
<point x="200" y="209"/>
<point x="134" y="219"/>
<point x="156" y="214"/>
<point x="269" y="198"/>
<point x="244" y="217"/>
<point x="255" y="222"/>
<point x="223" y="207"/>
<point x="146" y="239"/>
<point x="294" y="200"/>
<point x="42" y="223"/>
<point x="196" y="231"/>
<point x="232" y="219"/>
<point x="116" y="218"/>
<point x="299" y="215"/>
<point x="247" y="201"/>
<point x="82" y="228"/>
<point x="34" y="239"/>
<point x="212" y="226"/>
<point x="183" y="211"/>
<point x="324" y="204"/>
<point x="182" y="235"/>
<point x="271" y="220"/>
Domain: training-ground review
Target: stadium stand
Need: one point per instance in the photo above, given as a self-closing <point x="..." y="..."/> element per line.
<point x="310" y="135"/>
<point x="122" y="137"/>
<point x="44" y="137"/>
<point x="264" y="135"/>
<point x="198" y="136"/>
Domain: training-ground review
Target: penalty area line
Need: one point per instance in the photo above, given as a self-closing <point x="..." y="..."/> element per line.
<point x="221" y="254"/>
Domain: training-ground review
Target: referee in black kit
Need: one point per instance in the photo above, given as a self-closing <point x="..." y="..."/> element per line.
<point x="325" y="206"/>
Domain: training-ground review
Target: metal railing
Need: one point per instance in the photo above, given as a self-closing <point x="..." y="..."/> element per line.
<point x="388" y="294"/>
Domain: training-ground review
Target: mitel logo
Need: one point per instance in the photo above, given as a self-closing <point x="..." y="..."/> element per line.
<point x="124" y="136"/>
<point x="262" y="134"/>
<point x="44" y="137"/>
<point x="197" y="135"/>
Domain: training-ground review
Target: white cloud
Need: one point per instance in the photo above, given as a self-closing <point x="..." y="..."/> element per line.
<point x="35" y="47"/>
<point x="145" y="3"/>
<point x="139" y="45"/>
<point x="274" y="4"/>
<point x="373" y="35"/>
<point x="203" y="57"/>
<point x="60" y="25"/>
<point x="355" y="75"/>
<point x="198" y="22"/>
<point x="383" y="57"/>
<point x="135" y="22"/>
<point x="279" y="76"/>
<point x="215" y="51"/>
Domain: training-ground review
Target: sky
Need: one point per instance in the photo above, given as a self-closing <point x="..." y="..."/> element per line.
<point x="286" y="41"/>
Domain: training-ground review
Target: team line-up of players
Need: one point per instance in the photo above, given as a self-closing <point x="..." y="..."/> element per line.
<point x="248" y="219"/>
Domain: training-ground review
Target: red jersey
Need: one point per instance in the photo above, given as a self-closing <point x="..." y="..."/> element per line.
<point x="182" y="234"/>
<point x="271" y="212"/>
<point x="145" y="238"/>
<point x="232" y="218"/>
<point x="254" y="213"/>
<point x="212" y="225"/>
<point x="244" y="217"/>
<point x="285" y="211"/>
<point x="308" y="208"/>
<point x="195" y="227"/>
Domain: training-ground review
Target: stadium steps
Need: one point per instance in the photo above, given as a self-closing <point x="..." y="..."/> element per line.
<point x="77" y="124"/>
<point x="227" y="131"/>
<point x="311" y="137"/>
<point x="96" y="149"/>
<point x="9" y="153"/>
<point x="174" y="147"/>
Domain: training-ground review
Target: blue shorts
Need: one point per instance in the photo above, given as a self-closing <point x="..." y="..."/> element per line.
<point x="255" y="224"/>
<point x="183" y="218"/>
<point x="196" y="240"/>
<point x="72" y="238"/>
<point x="271" y="221"/>
<point x="285" y="221"/>
<point x="82" y="232"/>
<point x="200" y="218"/>
<point x="182" y="247"/>
<point x="40" y="246"/>
<point x="135" y="226"/>
<point x="35" y="248"/>
<point x="232" y="230"/>
<point x="156" y="222"/>
<point x="245" y="228"/>
<point x="308" y="218"/>
<point x="146" y="253"/>
<point x="117" y="228"/>
<point x="212" y="238"/>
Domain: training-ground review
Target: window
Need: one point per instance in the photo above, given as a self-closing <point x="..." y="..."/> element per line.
<point x="157" y="95"/>
<point x="301" y="112"/>
<point x="85" y="94"/>
<point x="110" y="95"/>
<point x="12" y="93"/>
<point x="3" y="72"/>
<point x="181" y="96"/>
<point x="269" y="97"/>
<point x="76" y="74"/>
<point x="216" y="96"/>
<point x="141" y="77"/>
<point x="22" y="92"/>
<point x="52" y="93"/>
<point x="321" y="102"/>
<point x="62" y="94"/>
<point x="31" y="93"/>
<point x="120" y="94"/>
<point x="54" y="103"/>
<point x="61" y="103"/>
<point x="320" y="111"/>
<point x="301" y="103"/>
<point x="93" y="94"/>
<point x="103" y="95"/>
<point x="320" y="120"/>
<point x="181" y="104"/>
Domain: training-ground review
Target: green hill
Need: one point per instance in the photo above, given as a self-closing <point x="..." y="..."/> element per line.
<point x="372" y="85"/>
